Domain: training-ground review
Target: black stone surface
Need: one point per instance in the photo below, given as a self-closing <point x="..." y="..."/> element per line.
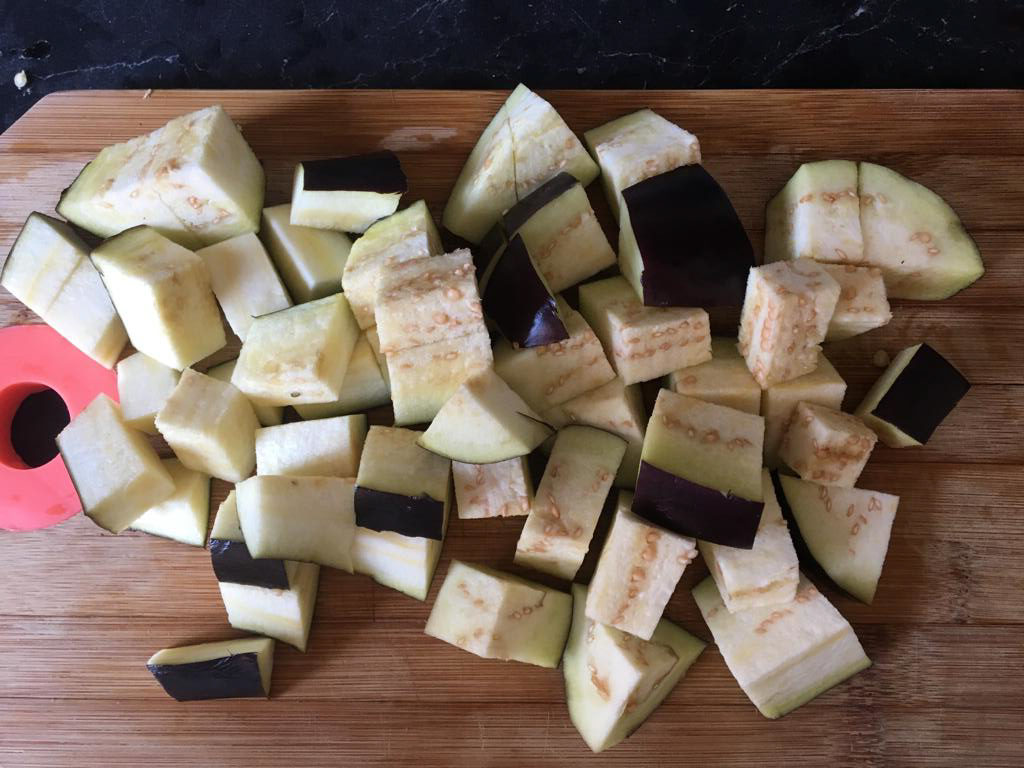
<point x="469" y="44"/>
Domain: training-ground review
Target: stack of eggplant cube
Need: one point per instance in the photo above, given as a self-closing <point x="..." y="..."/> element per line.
<point x="526" y="343"/>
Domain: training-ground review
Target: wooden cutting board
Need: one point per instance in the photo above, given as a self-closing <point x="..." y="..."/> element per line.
<point x="80" y="610"/>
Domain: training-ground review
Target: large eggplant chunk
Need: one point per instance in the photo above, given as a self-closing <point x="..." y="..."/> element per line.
<point x="822" y="386"/>
<point x="299" y="355"/>
<point x="195" y="180"/>
<point x="569" y="500"/>
<point x="681" y="243"/>
<point x="502" y="489"/>
<point x="724" y="379"/>
<point x="550" y="375"/>
<point x="347" y="194"/>
<point x="816" y="216"/>
<point x="914" y="237"/>
<point x="321" y="448"/>
<point x="49" y="271"/>
<point x="230" y="557"/>
<point x="284" y="614"/>
<point x="268" y="415"/>
<point x="116" y="472"/>
<point x="700" y="473"/>
<point x="143" y="386"/>
<point x="637" y="573"/>
<point x="311" y="261"/>
<point x="908" y="402"/>
<point x="644" y="343"/>
<point x="484" y="422"/>
<point x="244" y="281"/>
<point x="363" y="388"/>
<point x="614" y="680"/>
<point x="826" y="446"/>
<point x="517" y="299"/>
<point x="162" y="293"/>
<point x="310" y="519"/>
<point x="406" y="235"/>
<point x="495" y="615"/>
<point x="846" y="530"/>
<point x="785" y="317"/>
<point x="765" y="574"/>
<point x="862" y="305"/>
<point x="524" y="145"/>
<point x="184" y="514"/>
<point x="783" y="658"/>
<point x="230" y="669"/>
<point x="635" y="147"/>
<point x="561" y="232"/>
<point x="210" y="426"/>
<point x="613" y="407"/>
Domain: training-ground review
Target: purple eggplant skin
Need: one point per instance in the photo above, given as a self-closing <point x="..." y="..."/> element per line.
<point x="923" y="395"/>
<point x="416" y="516"/>
<point x="490" y="248"/>
<point x="379" y="172"/>
<point x="518" y="302"/>
<point x="552" y="189"/>
<point x="230" y="677"/>
<point x="694" y="248"/>
<point x="233" y="564"/>
<point x="692" y="510"/>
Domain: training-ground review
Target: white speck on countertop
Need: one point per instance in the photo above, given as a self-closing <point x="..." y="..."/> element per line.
<point x="20" y="80"/>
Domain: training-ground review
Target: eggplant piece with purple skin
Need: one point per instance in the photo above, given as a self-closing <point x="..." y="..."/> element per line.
<point x="517" y="299"/>
<point x="908" y="402"/>
<point x="417" y="516"/>
<point x="681" y="243"/>
<point x="229" y="669"/>
<point x="229" y="554"/>
<point x="347" y="193"/>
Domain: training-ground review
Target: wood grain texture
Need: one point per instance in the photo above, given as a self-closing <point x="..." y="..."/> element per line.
<point x="81" y="610"/>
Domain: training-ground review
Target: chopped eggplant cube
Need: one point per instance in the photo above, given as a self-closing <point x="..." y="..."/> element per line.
<point x="724" y="379"/>
<point x="363" y="388"/>
<point x="225" y="670"/>
<point x="826" y="446"/>
<point x="909" y="401"/>
<point x="268" y="415"/>
<point x="681" y="243"/>
<point x="347" y="193"/>
<point x="862" y="304"/>
<point x="311" y="261"/>
<point x="184" y="514"/>
<point x="143" y="386"/>
<point x="320" y="448"/>
<point x="284" y="614"/>
<point x="501" y="489"/>
<point x="231" y="559"/>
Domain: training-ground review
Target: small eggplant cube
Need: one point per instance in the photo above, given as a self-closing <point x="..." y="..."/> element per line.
<point x="347" y="193"/>
<point x="244" y="281"/>
<point x="825" y="446"/>
<point x="311" y="262"/>
<point x="210" y="426"/>
<point x="502" y="489"/>
<point x="162" y="293"/>
<point x="862" y="304"/>
<point x="320" y="448"/>
<point x="298" y="355"/>
<point x="637" y="573"/>
<point x="184" y="515"/>
<point x="363" y="388"/>
<point x="226" y="670"/>
<point x="232" y="562"/>
<point x="724" y="379"/>
<point x="114" y="469"/>
<point x="785" y="317"/>
<point x="428" y="300"/>
<point x="284" y="614"/>
<point x="644" y="343"/>
<point x="268" y="415"/>
<point x="143" y="386"/>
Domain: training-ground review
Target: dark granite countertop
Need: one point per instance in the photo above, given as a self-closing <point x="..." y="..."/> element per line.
<point x="470" y="44"/>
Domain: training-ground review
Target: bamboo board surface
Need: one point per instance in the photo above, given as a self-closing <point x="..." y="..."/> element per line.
<point x="81" y="611"/>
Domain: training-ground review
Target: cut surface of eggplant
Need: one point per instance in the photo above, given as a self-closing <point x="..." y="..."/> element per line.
<point x="783" y="658"/>
<point x="347" y="194"/>
<point x="363" y="388"/>
<point x="569" y="499"/>
<point x="230" y="556"/>
<point x="143" y="386"/>
<point x="684" y="205"/>
<point x="826" y="446"/>
<point x="846" y="530"/>
<point x="637" y="572"/>
<point x="484" y="422"/>
<point x="183" y="515"/>
<point x="49" y="271"/>
<point x="862" y="305"/>
<point x="116" y="472"/>
<point x="908" y="402"/>
<point x="765" y="574"/>
<point x="403" y="563"/>
<point x="495" y="615"/>
<point x="700" y="473"/>
<point x="226" y="670"/>
<point x="284" y="614"/>
<point x="324" y="447"/>
<point x="268" y="415"/>
<point x="614" y="680"/>
<point x="518" y="300"/>
<point x="162" y="293"/>
<point x="724" y="379"/>
<point x="501" y="489"/>
<point x="311" y="261"/>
